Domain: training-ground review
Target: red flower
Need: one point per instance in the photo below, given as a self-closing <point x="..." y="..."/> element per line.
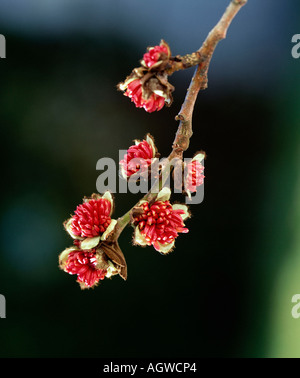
<point x="154" y="55"/>
<point x="93" y="255"/>
<point x="194" y="174"/>
<point x="134" y="91"/>
<point x="93" y="265"/>
<point x="92" y="220"/>
<point x="138" y="157"/>
<point x="148" y="85"/>
<point x="160" y="223"/>
<point x="83" y="263"/>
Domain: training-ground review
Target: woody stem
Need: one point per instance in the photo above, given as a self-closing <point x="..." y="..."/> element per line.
<point x="199" y="82"/>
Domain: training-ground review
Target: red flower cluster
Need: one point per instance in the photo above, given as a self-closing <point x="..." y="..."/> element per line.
<point x="153" y="103"/>
<point x="147" y="86"/>
<point x="154" y="55"/>
<point x="92" y="257"/>
<point x="159" y="224"/>
<point x="138" y="157"/>
<point x="91" y="218"/>
<point x="195" y="177"/>
<point x="83" y="263"/>
<point x="194" y="174"/>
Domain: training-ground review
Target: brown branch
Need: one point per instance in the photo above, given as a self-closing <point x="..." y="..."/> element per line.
<point x="199" y="82"/>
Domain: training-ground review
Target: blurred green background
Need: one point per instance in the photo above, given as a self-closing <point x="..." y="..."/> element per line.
<point x="226" y="289"/>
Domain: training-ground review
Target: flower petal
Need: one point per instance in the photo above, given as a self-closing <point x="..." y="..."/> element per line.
<point x="68" y="228"/>
<point x="189" y="194"/>
<point x="179" y="206"/>
<point x="90" y="243"/>
<point x="164" y="43"/>
<point x="111" y="270"/>
<point x="150" y="140"/>
<point x="139" y="238"/>
<point x="141" y="202"/>
<point x="123" y="86"/>
<point x="123" y="172"/>
<point x="157" y="64"/>
<point x="165" y="248"/>
<point x="107" y="195"/>
<point x="63" y="257"/>
<point x="164" y="194"/>
<point x="109" y="229"/>
<point x="199" y="157"/>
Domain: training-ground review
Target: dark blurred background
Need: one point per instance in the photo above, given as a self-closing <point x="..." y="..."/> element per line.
<point x="226" y="289"/>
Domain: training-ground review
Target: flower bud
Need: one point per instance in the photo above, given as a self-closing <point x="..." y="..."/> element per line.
<point x="83" y="263"/>
<point x="147" y="86"/>
<point x="139" y="158"/>
<point x="156" y="55"/>
<point x="92" y="220"/>
<point x="93" y="265"/>
<point x="194" y="176"/>
<point x="159" y="223"/>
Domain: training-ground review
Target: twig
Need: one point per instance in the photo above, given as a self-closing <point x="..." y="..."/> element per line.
<point x="198" y="82"/>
